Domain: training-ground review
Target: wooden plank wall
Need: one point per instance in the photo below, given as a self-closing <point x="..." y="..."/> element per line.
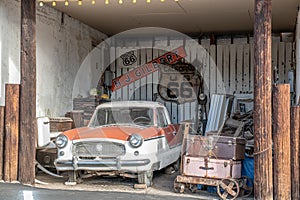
<point x="226" y="68"/>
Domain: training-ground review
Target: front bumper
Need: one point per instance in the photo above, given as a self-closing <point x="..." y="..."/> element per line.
<point x="102" y="165"/>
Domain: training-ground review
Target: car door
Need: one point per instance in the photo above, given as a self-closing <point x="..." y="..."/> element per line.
<point x="169" y="130"/>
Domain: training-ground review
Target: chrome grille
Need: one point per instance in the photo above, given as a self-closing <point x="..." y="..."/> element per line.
<point x="98" y="149"/>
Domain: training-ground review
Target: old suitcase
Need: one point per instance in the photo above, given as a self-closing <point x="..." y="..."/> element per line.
<point x="211" y="168"/>
<point x="220" y="147"/>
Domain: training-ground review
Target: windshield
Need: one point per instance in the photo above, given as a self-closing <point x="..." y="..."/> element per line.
<point x="128" y="115"/>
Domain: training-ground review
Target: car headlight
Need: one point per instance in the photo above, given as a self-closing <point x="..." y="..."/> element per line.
<point x="61" y="141"/>
<point x="135" y="140"/>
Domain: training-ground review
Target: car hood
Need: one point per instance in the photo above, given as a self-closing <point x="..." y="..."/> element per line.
<point x="112" y="132"/>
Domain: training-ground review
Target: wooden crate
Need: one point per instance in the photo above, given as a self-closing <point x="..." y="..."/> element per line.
<point x="77" y="116"/>
<point x="60" y="124"/>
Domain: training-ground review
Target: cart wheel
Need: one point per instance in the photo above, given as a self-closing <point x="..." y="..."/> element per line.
<point x="228" y="189"/>
<point x="193" y="188"/>
<point x="178" y="187"/>
<point x="247" y="186"/>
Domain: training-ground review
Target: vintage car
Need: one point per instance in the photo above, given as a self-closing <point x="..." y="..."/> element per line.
<point x="126" y="138"/>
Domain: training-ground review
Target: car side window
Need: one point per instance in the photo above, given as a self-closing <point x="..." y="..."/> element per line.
<point x="162" y="120"/>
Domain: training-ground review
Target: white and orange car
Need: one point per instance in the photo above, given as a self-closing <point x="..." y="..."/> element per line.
<point x="126" y="138"/>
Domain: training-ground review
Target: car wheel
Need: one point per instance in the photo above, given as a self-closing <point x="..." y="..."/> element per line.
<point x="145" y="178"/>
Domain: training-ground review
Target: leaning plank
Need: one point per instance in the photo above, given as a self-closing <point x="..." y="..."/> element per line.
<point x="11" y="132"/>
<point x="281" y="137"/>
<point x="1" y="140"/>
<point x="295" y="129"/>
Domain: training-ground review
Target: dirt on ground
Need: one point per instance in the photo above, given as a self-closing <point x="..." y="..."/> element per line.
<point x="162" y="185"/>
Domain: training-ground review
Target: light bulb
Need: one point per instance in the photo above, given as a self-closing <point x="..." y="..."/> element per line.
<point x="176" y="0"/>
<point x="80" y="2"/>
<point x="66" y="3"/>
<point x="120" y="1"/>
<point x="53" y="3"/>
<point x="41" y="3"/>
<point x="93" y="2"/>
<point x="162" y="0"/>
<point x="133" y="1"/>
<point x="106" y="2"/>
<point x="148" y="1"/>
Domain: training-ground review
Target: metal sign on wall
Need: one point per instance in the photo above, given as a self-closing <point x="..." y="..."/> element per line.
<point x="148" y="68"/>
<point x="179" y="83"/>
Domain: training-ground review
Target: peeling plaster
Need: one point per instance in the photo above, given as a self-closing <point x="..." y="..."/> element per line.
<point x="62" y="45"/>
<point x="10" y="20"/>
<point x="61" y="48"/>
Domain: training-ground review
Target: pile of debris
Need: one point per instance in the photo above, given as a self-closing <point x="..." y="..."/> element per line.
<point x="233" y="117"/>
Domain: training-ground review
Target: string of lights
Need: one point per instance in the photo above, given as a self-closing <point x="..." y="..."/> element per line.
<point x="93" y="2"/>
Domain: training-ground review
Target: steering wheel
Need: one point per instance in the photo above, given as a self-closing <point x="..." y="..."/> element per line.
<point x="142" y="120"/>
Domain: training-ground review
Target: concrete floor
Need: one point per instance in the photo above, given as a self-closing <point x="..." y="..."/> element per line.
<point x="108" y="188"/>
<point x="10" y="191"/>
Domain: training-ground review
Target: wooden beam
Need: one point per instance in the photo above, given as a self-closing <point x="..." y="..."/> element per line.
<point x="1" y="140"/>
<point x="295" y="133"/>
<point x="11" y="132"/>
<point x="281" y="137"/>
<point x="263" y="183"/>
<point x="28" y="128"/>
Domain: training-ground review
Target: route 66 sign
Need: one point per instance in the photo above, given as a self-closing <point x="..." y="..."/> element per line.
<point x="128" y="58"/>
<point x="179" y="83"/>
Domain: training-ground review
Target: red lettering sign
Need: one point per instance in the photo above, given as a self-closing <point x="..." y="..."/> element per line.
<point x="148" y="68"/>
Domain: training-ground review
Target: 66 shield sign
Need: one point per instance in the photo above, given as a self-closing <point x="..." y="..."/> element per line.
<point x="179" y="83"/>
<point x="128" y="58"/>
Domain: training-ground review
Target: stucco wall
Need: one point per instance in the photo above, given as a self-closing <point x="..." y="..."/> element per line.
<point x="10" y="19"/>
<point x="62" y="45"/>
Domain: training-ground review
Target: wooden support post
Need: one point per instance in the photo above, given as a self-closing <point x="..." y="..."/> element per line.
<point x="1" y="140"/>
<point x="263" y="183"/>
<point x="28" y="128"/>
<point x="11" y="133"/>
<point x="281" y="137"/>
<point x="295" y="133"/>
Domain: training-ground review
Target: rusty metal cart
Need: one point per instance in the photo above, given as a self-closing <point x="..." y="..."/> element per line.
<point x="208" y="161"/>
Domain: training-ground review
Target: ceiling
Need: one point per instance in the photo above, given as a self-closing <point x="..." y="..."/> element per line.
<point x="192" y="17"/>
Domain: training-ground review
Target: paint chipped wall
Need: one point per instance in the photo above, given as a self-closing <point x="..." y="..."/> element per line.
<point x="62" y="45"/>
<point x="10" y="19"/>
